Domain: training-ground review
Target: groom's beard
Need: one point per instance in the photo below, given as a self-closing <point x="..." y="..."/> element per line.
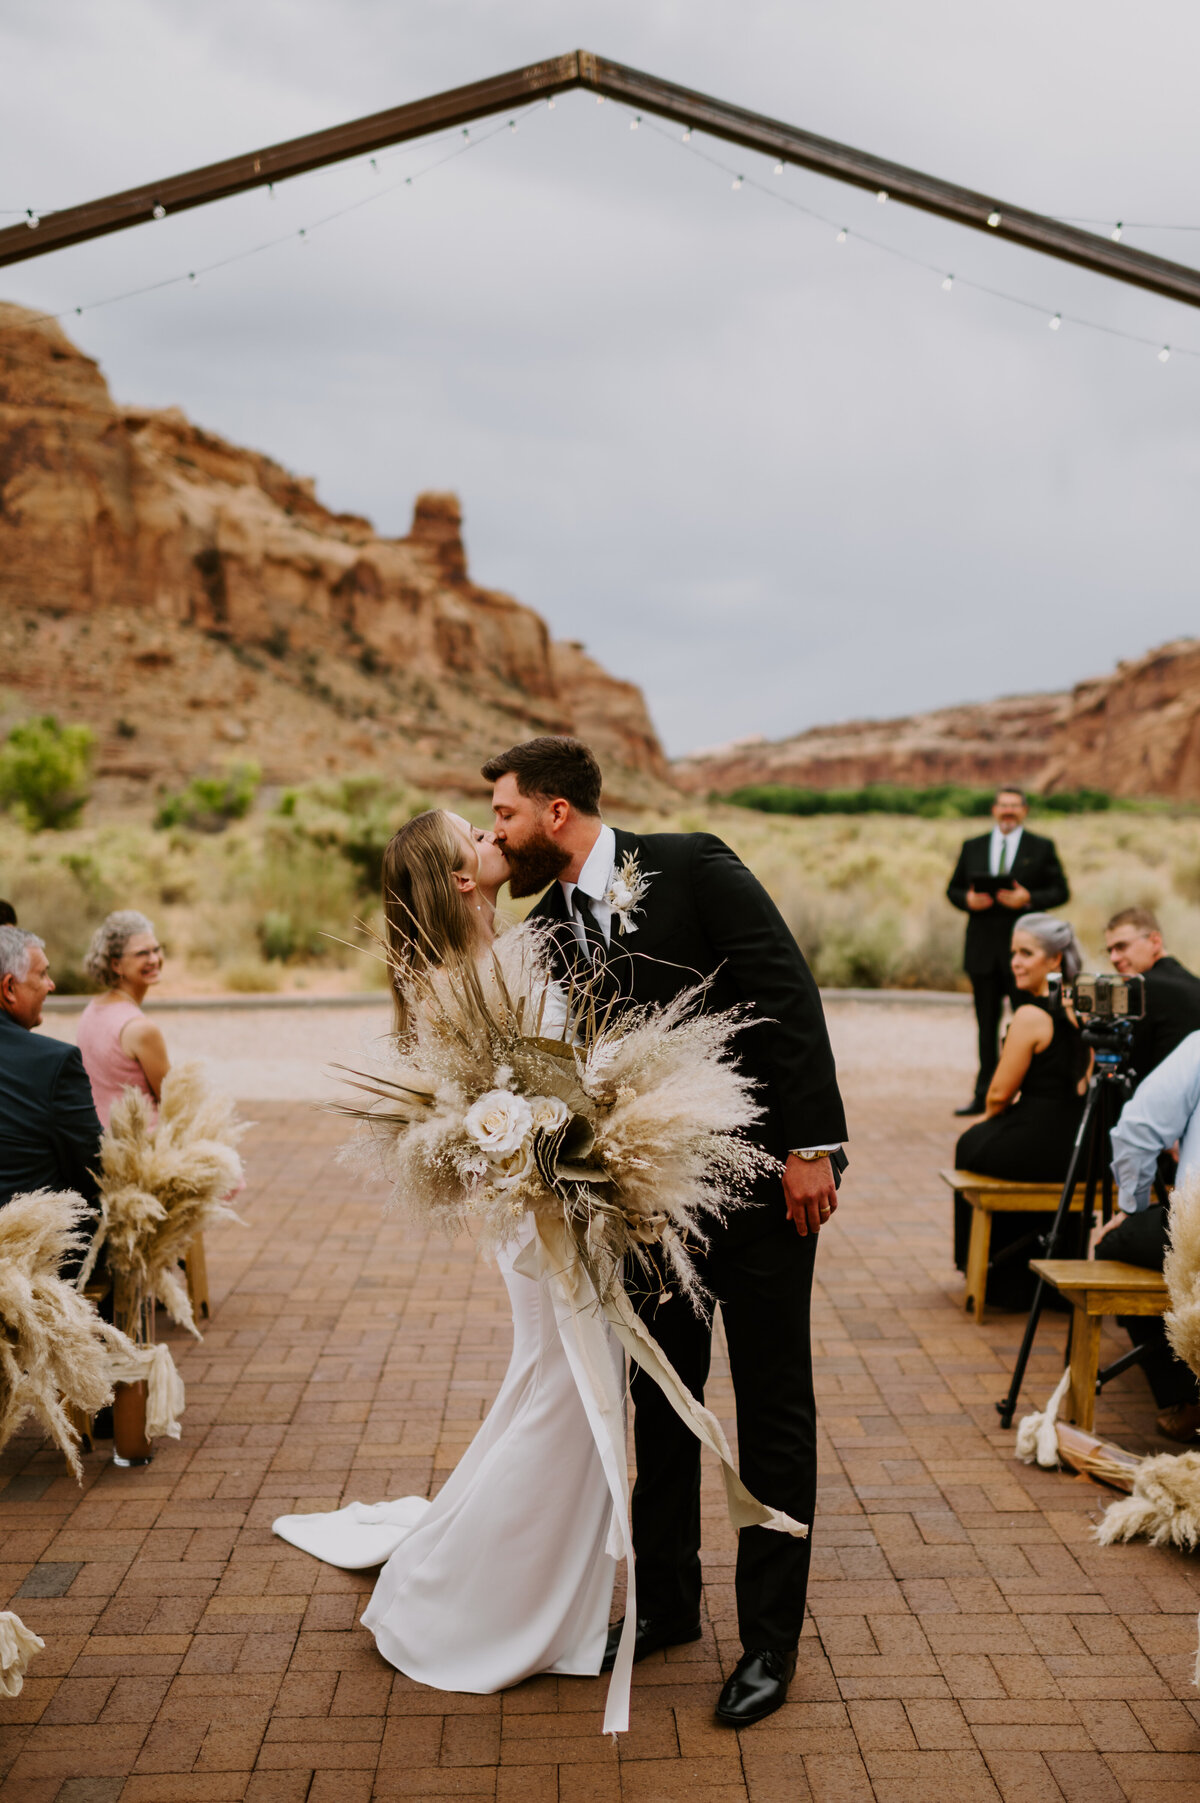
<point x="538" y="862"/>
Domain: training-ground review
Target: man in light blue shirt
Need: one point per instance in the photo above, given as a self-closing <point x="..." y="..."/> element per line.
<point x="1165" y="1109"/>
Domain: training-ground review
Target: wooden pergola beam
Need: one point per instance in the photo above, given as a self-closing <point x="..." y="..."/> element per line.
<point x="581" y="69"/>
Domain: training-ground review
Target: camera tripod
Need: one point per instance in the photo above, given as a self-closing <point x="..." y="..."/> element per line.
<point x="1109" y="1088"/>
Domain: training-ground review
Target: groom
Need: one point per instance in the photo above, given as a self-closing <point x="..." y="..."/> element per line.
<point x="703" y="915"/>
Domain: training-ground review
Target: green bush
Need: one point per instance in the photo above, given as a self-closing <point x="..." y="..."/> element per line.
<point x="209" y="803"/>
<point x="939" y="801"/>
<point x="353" y="818"/>
<point x="45" y="772"/>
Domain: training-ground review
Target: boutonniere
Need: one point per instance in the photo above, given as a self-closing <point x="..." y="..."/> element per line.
<point x="626" y="891"/>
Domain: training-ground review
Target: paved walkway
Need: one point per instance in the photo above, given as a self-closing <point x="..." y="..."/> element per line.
<point x="967" y="1639"/>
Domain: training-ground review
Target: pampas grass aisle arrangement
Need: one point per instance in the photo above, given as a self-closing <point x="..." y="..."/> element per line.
<point x="18" y="1645"/>
<point x="56" y="1354"/>
<point x="162" y="1184"/>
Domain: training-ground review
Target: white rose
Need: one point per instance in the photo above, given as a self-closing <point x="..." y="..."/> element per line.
<point x="499" y="1122"/>
<point x="549" y="1113"/>
<point x="620" y="895"/>
<point x="508" y="1173"/>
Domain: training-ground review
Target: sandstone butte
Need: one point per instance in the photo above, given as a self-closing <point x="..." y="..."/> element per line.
<point x="1134" y="732"/>
<point x="195" y="604"/>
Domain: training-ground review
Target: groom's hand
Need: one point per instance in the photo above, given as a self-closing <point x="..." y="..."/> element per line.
<point x="810" y="1193"/>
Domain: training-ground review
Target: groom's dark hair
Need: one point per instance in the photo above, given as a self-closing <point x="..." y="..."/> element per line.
<point x="550" y="767"/>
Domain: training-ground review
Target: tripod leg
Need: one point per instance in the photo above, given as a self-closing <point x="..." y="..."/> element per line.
<point x="1083" y="1146"/>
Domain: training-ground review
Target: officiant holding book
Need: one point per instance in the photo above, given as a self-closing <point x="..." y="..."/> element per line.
<point x="1000" y="876"/>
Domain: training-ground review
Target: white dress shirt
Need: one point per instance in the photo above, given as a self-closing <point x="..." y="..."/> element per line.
<point x="595" y="881"/>
<point x="1164" y="1108"/>
<point x="1013" y="841"/>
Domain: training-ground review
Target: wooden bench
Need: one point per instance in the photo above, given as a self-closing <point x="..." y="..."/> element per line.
<point x="995" y="1195"/>
<point x="1096" y="1287"/>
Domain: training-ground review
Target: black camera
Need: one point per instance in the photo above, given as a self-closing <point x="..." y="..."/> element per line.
<point x="1100" y="997"/>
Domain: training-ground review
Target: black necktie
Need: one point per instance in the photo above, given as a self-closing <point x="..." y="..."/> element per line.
<point x="591" y="931"/>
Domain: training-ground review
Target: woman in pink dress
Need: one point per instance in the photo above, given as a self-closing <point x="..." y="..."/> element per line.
<point x="121" y="1049"/>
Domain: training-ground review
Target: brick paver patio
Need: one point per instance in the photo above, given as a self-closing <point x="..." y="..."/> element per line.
<point x="967" y="1639"/>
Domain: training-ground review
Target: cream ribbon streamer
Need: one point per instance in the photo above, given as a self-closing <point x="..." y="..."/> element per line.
<point x="18" y="1644"/>
<point x="578" y="1310"/>
<point x="131" y="1364"/>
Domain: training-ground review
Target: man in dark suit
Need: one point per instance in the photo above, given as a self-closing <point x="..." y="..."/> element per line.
<point x="1037" y="884"/>
<point x="49" y="1131"/>
<point x="1134" y="941"/>
<point x="703" y="915"/>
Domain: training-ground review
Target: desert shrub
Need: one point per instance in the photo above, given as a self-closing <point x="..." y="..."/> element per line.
<point x="277" y="935"/>
<point x="937" y="801"/>
<point x="209" y="803"/>
<point x="45" y="772"/>
<point x="62" y="900"/>
<point x="250" y="976"/>
<point x="354" y="818"/>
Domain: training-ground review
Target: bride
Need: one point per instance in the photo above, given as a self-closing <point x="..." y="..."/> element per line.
<point x="509" y="1570"/>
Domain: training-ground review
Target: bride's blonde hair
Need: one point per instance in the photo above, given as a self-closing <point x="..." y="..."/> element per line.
<point x="429" y="923"/>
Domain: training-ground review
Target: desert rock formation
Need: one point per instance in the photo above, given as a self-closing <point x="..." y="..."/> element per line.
<point x="1135" y="732"/>
<point x="193" y="601"/>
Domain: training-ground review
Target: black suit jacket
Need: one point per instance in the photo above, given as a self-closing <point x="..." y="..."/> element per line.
<point x="706" y="915"/>
<point x="49" y="1130"/>
<point x="989" y="932"/>
<point x="1172" y="1012"/>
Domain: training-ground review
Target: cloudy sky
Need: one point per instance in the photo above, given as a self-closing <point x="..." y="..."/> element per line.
<point x="776" y="479"/>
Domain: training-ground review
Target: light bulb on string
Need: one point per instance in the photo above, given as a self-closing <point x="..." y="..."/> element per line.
<point x="31" y="219"/>
<point x="465" y="132"/>
<point x="1056" y="322"/>
<point x="635" y="122"/>
<point x="374" y="166"/>
<point x="193" y="278"/>
<point x="512" y="125"/>
<point x="687" y="134"/>
<point x="841" y="237"/>
<point x="1164" y="356"/>
<point x="599" y="100"/>
<point x="158" y="211"/>
<point x="303" y="235"/>
<point x="737" y="182"/>
<point x="947" y="283"/>
<point x="882" y="195"/>
<point x="993" y="220"/>
<point x="779" y="168"/>
<point x="550" y="104"/>
<point x="1115" y="234"/>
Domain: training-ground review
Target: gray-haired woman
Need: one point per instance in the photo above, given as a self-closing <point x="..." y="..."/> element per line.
<point x="1034" y="1101"/>
<point x="121" y="1049"/>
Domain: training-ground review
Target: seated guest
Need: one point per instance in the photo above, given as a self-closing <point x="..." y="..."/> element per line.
<point x="1135" y="948"/>
<point x="8" y="914"/>
<point x="1164" y="1109"/>
<point x="49" y="1133"/>
<point x="121" y="1048"/>
<point x="1034" y="1101"/>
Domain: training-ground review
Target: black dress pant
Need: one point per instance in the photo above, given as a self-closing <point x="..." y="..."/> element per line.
<point x="989" y="989"/>
<point x="1141" y="1239"/>
<point x="763" y="1285"/>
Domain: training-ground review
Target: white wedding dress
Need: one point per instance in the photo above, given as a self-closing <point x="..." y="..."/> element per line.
<point x="509" y="1570"/>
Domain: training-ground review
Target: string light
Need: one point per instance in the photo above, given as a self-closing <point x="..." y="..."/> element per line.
<point x="303" y="235"/>
<point x="550" y="104"/>
<point x="779" y="168"/>
<point x="31" y="219"/>
<point x="466" y="131"/>
<point x="948" y="280"/>
<point x="512" y="125"/>
<point x="687" y="134"/>
<point x="881" y="197"/>
<point x="1115" y="234"/>
<point x="158" y="211"/>
<point x="374" y="166"/>
<point x="635" y="122"/>
<point x="737" y="182"/>
<point x="193" y="278"/>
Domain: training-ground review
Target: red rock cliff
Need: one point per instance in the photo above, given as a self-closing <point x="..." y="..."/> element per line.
<point x="225" y="584"/>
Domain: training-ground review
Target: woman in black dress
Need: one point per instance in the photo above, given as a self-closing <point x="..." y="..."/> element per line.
<point x="1033" y="1104"/>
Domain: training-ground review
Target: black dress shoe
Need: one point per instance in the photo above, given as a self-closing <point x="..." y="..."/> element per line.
<point x="648" y="1637"/>
<point x="975" y="1106"/>
<point x="757" y="1687"/>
